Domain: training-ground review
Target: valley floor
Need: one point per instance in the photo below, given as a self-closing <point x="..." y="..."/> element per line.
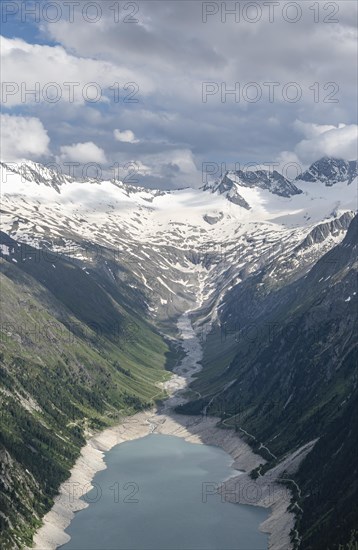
<point x="264" y="491"/>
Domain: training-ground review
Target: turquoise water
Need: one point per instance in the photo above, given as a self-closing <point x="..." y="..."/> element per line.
<point x="157" y="494"/>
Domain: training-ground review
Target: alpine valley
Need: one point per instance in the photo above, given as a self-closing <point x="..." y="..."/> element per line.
<point x="95" y="278"/>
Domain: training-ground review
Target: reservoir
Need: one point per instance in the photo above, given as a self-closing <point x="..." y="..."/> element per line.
<point x="158" y="493"/>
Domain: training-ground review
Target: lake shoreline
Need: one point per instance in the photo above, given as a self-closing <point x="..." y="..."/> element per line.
<point x="200" y="429"/>
<point x="264" y="491"/>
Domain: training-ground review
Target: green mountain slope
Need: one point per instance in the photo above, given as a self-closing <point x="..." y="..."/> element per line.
<point x="290" y="377"/>
<point x="74" y="356"/>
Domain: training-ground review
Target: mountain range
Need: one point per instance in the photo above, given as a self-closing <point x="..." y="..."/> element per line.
<point x="267" y="267"/>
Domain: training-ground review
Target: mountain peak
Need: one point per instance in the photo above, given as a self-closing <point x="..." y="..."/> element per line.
<point x="34" y="172"/>
<point x="330" y="170"/>
<point x="271" y="181"/>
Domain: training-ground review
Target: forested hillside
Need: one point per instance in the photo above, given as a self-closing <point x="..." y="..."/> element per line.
<point x="75" y="355"/>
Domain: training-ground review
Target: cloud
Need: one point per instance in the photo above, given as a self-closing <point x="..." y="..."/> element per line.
<point x="327" y="140"/>
<point x="181" y="53"/>
<point x="127" y="136"/>
<point x="22" y="138"/>
<point x="230" y="51"/>
<point x="57" y="76"/>
<point x="172" y="168"/>
<point x="83" y="153"/>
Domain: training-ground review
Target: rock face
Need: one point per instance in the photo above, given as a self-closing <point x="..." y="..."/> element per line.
<point x="291" y="378"/>
<point x="272" y="181"/>
<point x="34" y="172"/>
<point x="331" y="171"/>
<point x="214" y="218"/>
<point x="228" y="188"/>
<point x="323" y="230"/>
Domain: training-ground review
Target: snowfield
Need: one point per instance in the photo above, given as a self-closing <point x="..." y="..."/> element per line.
<point x="185" y="246"/>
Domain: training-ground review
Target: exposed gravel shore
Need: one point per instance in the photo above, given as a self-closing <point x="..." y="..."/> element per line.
<point x="264" y="491"/>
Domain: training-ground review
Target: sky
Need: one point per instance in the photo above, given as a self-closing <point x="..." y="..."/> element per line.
<point x="169" y="94"/>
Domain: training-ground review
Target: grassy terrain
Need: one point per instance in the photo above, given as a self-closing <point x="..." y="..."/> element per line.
<point x="73" y="360"/>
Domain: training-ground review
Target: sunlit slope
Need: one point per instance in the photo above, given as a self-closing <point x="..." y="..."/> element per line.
<point x="73" y="360"/>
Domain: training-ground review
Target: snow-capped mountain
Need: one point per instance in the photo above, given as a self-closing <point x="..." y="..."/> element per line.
<point x="330" y="171"/>
<point x="33" y="172"/>
<point x="185" y="247"/>
<point x="36" y="173"/>
<point x="253" y="252"/>
<point x="232" y="182"/>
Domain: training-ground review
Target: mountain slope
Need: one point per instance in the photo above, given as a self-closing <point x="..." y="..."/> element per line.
<point x="290" y="377"/>
<point x="171" y="247"/>
<point x="93" y="269"/>
<point x="331" y="171"/>
<point x="72" y="360"/>
<point x="233" y="181"/>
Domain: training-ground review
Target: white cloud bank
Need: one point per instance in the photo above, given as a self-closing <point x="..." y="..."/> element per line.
<point x="34" y="73"/>
<point x="326" y="140"/>
<point x="22" y="137"/>
<point x="83" y="153"/>
<point x="321" y="140"/>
